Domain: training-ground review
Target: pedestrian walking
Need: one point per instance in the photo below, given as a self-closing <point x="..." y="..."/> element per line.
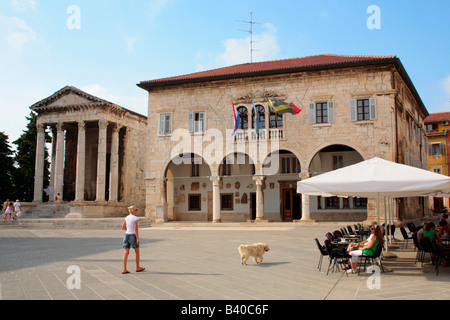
<point x="58" y="203"/>
<point x="131" y="239"/>
<point x="8" y="212"/>
<point x="17" y="209"/>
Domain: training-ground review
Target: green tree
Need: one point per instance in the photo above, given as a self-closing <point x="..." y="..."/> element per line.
<point x="7" y="168"/>
<point x="25" y="160"/>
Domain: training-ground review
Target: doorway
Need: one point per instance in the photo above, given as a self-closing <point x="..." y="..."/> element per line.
<point x="291" y="205"/>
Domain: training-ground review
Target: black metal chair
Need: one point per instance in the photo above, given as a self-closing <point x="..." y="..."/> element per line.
<point x="323" y="253"/>
<point x="376" y="256"/>
<point x="411" y="227"/>
<point x="405" y="237"/>
<point x="436" y="253"/>
<point x="337" y="256"/>
<point x="419" y="255"/>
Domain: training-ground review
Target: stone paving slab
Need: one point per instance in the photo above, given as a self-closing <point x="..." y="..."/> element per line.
<point x="199" y="264"/>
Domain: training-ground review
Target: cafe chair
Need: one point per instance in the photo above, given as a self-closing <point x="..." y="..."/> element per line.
<point x="436" y="253"/>
<point x="376" y="258"/>
<point x="420" y="253"/>
<point x="338" y="256"/>
<point x="405" y="237"/>
<point x="323" y="253"/>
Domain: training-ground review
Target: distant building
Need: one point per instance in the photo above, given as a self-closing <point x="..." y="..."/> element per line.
<point x="437" y="126"/>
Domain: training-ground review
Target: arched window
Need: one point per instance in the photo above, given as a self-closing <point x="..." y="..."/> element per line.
<point x="262" y="116"/>
<point x="276" y="120"/>
<point x="243" y="113"/>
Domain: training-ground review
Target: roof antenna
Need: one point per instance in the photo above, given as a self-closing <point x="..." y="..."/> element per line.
<point x="251" y="23"/>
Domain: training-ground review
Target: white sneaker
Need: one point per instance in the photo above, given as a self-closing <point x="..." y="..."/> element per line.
<point x="351" y="271"/>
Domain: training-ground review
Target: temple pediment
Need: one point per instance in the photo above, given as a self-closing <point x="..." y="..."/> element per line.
<point x="73" y="99"/>
<point x="68" y="97"/>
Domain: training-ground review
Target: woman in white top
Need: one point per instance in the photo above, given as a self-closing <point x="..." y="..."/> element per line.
<point x="131" y="239"/>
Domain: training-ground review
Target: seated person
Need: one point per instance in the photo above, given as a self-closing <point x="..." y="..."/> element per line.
<point x="369" y="248"/>
<point x="430" y="232"/>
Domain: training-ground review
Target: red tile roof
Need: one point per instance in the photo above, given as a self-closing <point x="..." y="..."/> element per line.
<point x="276" y="66"/>
<point x="438" y="116"/>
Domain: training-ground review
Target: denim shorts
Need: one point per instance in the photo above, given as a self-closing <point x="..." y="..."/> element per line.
<point x="130" y="241"/>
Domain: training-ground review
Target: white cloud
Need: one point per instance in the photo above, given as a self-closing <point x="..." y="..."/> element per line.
<point x="237" y="50"/>
<point x="157" y="6"/>
<point x="15" y="33"/>
<point x="23" y="5"/>
<point x="137" y="104"/>
<point x="130" y="44"/>
<point x="265" y="48"/>
<point x="446" y="85"/>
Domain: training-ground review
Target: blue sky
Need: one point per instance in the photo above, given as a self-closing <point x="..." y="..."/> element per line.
<point x="106" y="47"/>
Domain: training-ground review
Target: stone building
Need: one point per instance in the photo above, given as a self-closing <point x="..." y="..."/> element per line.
<point x="437" y="126"/>
<point x="95" y="153"/>
<point x="192" y="166"/>
<point x="354" y="108"/>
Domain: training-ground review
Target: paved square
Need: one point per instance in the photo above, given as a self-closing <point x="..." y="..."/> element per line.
<point x="198" y="263"/>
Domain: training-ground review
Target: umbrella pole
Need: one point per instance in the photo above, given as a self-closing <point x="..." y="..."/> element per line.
<point x="386" y="227"/>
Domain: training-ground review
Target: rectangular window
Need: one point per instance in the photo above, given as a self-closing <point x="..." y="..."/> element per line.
<point x="197" y="122"/>
<point x="436" y="149"/>
<point x="437" y="169"/>
<point x="431" y="127"/>
<point x="363" y="109"/>
<point x="226" y="201"/>
<point x="290" y="165"/>
<point x="195" y="202"/>
<point x="322" y="112"/>
<point x="332" y="203"/>
<point x="195" y="170"/>
<point x="338" y="162"/>
<point x="164" y="124"/>
<point x="360" y="202"/>
<point x="226" y="168"/>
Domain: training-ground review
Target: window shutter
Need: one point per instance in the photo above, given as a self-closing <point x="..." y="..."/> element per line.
<point x="373" y="108"/>
<point x="202" y="118"/>
<point x="330" y="111"/>
<point x="167" y="129"/>
<point x="161" y="124"/>
<point x="312" y="113"/>
<point x="353" y="113"/>
<point x="191" y="122"/>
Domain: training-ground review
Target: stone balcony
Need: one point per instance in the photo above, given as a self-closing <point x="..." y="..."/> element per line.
<point x="263" y="135"/>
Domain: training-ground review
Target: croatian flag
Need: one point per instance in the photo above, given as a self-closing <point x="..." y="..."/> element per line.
<point x="237" y="119"/>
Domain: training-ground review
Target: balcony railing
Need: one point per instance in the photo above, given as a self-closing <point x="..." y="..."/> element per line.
<point x="263" y="135"/>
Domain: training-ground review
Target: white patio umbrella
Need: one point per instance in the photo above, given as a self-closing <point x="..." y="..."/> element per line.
<point x="376" y="178"/>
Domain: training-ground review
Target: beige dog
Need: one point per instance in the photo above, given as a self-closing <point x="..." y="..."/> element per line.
<point x="252" y="250"/>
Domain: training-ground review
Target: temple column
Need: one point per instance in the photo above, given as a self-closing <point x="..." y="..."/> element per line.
<point x="259" y="197"/>
<point x="216" y="199"/>
<point x="101" y="160"/>
<point x="114" y="173"/>
<point x="51" y="187"/>
<point x="81" y="162"/>
<point x="39" y="164"/>
<point x="59" y="162"/>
